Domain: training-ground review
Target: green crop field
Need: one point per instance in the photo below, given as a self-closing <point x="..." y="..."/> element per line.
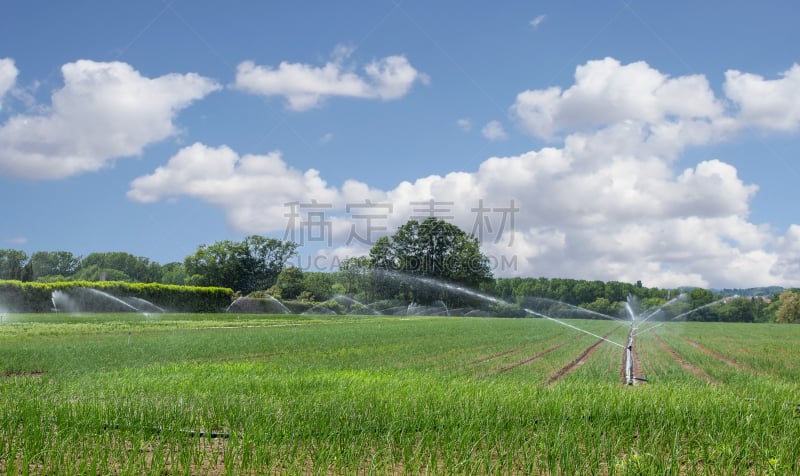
<point x="227" y="394"/>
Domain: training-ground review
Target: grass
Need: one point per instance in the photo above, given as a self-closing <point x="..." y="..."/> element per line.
<point x="125" y="394"/>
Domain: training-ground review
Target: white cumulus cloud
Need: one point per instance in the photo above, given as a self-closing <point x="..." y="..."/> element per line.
<point x="252" y="188"/>
<point x="8" y="76"/>
<point x="545" y="211"/>
<point x="306" y="86"/>
<point x="103" y="112"/>
<point x="605" y="203"/>
<point x="607" y="92"/>
<point x="768" y="104"/>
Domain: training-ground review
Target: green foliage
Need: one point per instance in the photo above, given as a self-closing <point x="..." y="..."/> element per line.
<point x="789" y="310"/>
<point x="256" y="263"/>
<point x="289" y="284"/>
<point x="305" y="296"/>
<point x="355" y="277"/>
<point x="136" y="268"/>
<point x="250" y="265"/>
<point x="11" y="263"/>
<point x="54" y="263"/>
<point x="574" y="291"/>
<point x="604" y="306"/>
<point x="173" y="273"/>
<point x="738" y="310"/>
<point x="17" y="296"/>
<point x="318" y="285"/>
<point x="434" y="249"/>
<point x="698" y="298"/>
<point x="96" y="272"/>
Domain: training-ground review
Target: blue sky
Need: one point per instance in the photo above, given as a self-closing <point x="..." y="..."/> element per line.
<point x="594" y="140"/>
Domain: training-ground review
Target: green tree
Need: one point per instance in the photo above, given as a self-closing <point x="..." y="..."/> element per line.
<point x="433" y="249"/>
<point x="738" y="310"/>
<point x="603" y="306"/>
<point x="12" y="263"/>
<point x="355" y="277"/>
<point x="137" y="268"/>
<point x="698" y="298"/>
<point x="54" y="263"/>
<point x="27" y="272"/>
<point x="788" y="308"/>
<point x="615" y="291"/>
<point x="319" y="285"/>
<point x="587" y="291"/>
<point x="650" y="304"/>
<point x="173" y="273"/>
<point x="382" y="255"/>
<point x="289" y="283"/>
<point x="250" y="265"/>
<point x="97" y="273"/>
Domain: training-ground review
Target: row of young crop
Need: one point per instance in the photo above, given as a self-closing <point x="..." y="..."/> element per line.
<point x="17" y="296"/>
<point x="370" y="396"/>
<point x="706" y="353"/>
<point x="736" y="351"/>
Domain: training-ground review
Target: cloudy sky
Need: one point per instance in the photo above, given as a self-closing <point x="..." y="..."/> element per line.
<point x="614" y="140"/>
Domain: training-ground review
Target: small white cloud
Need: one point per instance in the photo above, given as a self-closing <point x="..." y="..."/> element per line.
<point x="342" y="52"/>
<point x="305" y="86"/>
<point x="8" y="76"/>
<point x="17" y="241"/>
<point x="538" y="21"/>
<point x="103" y="112"/>
<point x="327" y="137"/>
<point x="465" y="124"/>
<point x="494" y="131"/>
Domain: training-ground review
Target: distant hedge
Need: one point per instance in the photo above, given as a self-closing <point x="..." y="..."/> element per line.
<point x="16" y="296"/>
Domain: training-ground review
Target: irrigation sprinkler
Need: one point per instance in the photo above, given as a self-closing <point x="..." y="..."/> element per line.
<point x="630" y="378"/>
<point x="629" y="363"/>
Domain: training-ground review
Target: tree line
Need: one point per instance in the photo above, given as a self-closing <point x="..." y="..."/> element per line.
<point x="431" y="249"/>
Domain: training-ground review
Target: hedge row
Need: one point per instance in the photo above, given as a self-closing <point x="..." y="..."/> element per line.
<point x="16" y="296"/>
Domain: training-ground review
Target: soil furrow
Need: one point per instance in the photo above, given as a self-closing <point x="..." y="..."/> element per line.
<point x="717" y="355"/>
<point x="687" y="366"/>
<point x="578" y="361"/>
<point x="525" y="361"/>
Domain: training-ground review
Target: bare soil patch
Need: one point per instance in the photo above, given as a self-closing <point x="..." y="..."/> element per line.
<point x="23" y="373"/>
